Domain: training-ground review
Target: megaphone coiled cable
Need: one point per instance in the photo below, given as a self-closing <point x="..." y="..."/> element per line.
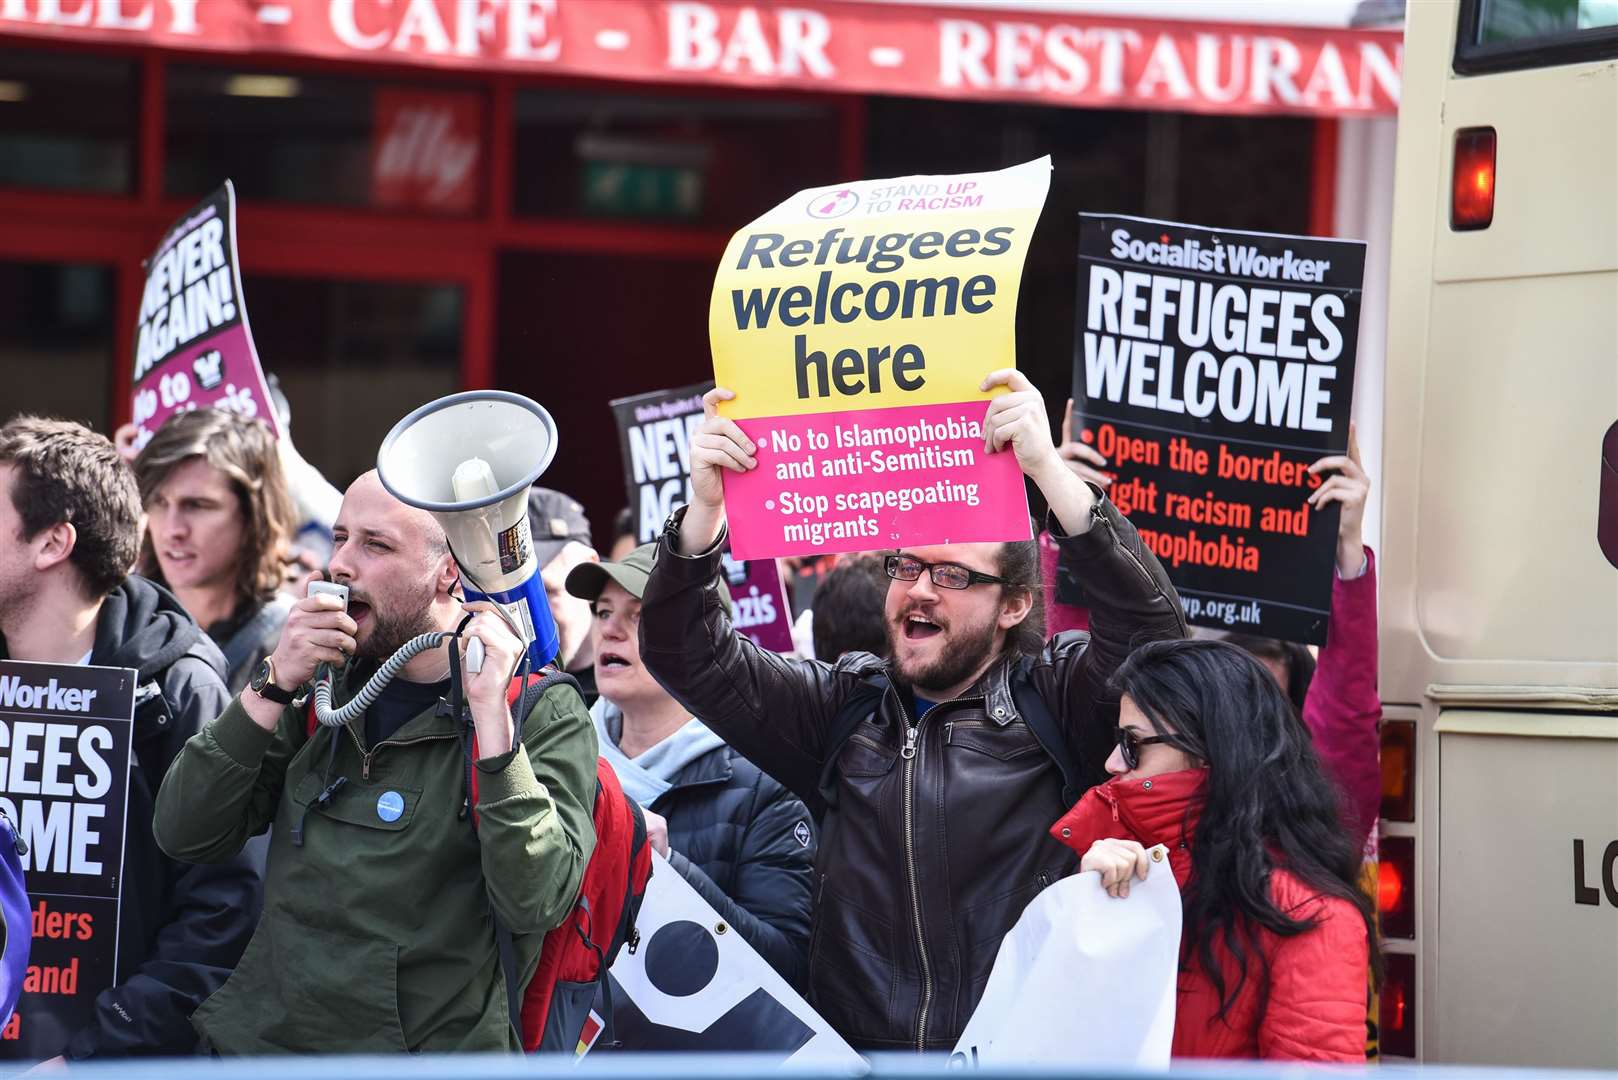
<point x="374" y="686"/>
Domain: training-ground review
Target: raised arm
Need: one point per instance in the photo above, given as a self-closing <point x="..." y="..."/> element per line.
<point x="1342" y="710"/>
<point x="772" y="709"/>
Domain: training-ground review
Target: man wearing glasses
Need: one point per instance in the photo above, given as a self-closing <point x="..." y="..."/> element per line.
<point x="940" y="770"/>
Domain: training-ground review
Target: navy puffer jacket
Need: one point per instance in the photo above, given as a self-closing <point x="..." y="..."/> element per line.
<point x="748" y="846"/>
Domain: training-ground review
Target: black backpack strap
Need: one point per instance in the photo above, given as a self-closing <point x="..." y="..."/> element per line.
<point x="855" y="708"/>
<point x="1042" y="722"/>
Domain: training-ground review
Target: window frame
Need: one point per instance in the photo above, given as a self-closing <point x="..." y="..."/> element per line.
<point x="1580" y="46"/>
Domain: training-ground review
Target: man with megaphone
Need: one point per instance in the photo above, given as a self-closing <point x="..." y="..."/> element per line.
<point x="379" y="929"/>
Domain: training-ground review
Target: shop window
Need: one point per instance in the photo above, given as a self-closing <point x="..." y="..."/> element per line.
<point x="714" y="162"/>
<point x="326" y="141"/>
<point x="576" y="331"/>
<point x="67" y="122"/>
<point x="56" y="340"/>
<point x="353" y="357"/>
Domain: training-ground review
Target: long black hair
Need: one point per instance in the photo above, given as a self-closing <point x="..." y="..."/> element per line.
<point x="1266" y="802"/>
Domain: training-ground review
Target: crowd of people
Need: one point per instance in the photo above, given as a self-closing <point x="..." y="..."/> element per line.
<point x="871" y="813"/>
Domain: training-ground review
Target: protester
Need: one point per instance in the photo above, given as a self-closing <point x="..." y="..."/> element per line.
<point x="379" y="929"/>
<point x="1212" y="763"/>
<point x="847" y="616"/>
<point x="736" y="835"/>
<point x="940" y="795"/>
<point x="218" y="523"/>
<point x="69" y="531"/>
<point x="562" y="541"/>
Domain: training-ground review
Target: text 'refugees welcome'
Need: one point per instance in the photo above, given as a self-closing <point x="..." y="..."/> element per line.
<point x="854" y="371"/>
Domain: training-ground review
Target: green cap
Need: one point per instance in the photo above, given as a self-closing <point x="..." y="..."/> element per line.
<point x="586" y="580"/>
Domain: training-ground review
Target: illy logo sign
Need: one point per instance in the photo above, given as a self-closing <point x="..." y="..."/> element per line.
<point x="425" y="151"/>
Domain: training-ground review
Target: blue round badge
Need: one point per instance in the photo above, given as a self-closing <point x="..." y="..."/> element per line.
<point x="390" y="806"/>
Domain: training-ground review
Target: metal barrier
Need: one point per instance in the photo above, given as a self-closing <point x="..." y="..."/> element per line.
<point x="608" y="1066"/>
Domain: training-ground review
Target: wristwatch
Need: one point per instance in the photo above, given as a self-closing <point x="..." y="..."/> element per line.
<point x="263" y="684"/>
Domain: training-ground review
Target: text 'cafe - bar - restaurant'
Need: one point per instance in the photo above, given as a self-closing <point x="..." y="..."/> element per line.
<point x="532" y="194"/>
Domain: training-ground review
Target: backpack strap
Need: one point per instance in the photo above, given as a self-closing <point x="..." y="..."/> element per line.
<point x="1042" y="722"/>
<point x="855" y="708"/>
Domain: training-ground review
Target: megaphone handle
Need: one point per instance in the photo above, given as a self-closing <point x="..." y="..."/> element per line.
<point x="474" y="655"/>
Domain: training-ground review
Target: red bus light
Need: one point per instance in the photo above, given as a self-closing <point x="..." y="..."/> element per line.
<point x="1396" y="1034"/>
<point x="1395" y="886"/>
<point x="1472" y="184"/>
<point x="1399" y="770"/>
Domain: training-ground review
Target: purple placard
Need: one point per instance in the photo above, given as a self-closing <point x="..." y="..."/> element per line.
<point x="193" y="344"/>
<point x="759" y="605"/>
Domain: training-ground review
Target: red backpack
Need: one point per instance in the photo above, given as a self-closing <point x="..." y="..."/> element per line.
<point x="549" y="1014"/>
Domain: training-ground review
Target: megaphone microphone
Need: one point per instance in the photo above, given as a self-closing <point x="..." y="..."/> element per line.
<point x="469" y="459"/>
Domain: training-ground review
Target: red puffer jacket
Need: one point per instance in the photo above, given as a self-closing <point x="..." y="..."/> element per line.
<point x="1311" y="1008"/>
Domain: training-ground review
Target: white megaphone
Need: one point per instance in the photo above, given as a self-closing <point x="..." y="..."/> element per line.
<point x="469" y="459"/>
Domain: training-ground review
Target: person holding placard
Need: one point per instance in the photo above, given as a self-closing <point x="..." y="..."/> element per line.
<point x="1212" y="762"/>
<point x="69" y="531"/>
<point x="938" y="770"/>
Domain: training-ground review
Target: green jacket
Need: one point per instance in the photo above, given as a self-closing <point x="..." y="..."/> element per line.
<point x="376" y="934"/>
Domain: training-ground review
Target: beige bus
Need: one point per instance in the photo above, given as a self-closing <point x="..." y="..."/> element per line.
<point x="1500" y="548"/>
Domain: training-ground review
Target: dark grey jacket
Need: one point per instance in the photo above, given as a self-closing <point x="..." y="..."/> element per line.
<point x="181" y="928"/>
<point x="747" y="845"/>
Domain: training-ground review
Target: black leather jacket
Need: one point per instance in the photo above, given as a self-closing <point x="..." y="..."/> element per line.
<point x="926" y="860"/>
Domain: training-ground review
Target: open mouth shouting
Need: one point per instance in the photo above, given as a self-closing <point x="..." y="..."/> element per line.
<point x="918" y="627"/>
<point x="609" y="662"/>
<point x="358" y="610"/>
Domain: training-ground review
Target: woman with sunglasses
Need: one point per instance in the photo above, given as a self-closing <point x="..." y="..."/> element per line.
<point x="1213" y="763"/>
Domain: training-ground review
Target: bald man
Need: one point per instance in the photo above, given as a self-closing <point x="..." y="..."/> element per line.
<point x="377" y="932"/>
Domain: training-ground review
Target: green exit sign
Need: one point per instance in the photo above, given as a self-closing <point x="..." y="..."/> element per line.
<point x="643" y="191"/>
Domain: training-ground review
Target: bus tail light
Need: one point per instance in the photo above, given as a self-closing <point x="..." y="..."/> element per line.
<point x="1472" y="184"/>
<point x="1399" y="770"/>
<point x="1396" y="886"/>
<point x="1396" y="1027"/>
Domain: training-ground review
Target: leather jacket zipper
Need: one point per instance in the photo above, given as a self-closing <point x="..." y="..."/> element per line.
<point x="912" y="735"/>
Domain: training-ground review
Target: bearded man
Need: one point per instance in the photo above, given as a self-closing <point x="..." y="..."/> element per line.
<point x="938" y="770"/>
<point x="400" y="847"/>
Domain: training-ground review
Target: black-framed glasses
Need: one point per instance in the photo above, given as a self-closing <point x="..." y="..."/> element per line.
<point x="1129" y="745"/>
<point x="946" y="575"/>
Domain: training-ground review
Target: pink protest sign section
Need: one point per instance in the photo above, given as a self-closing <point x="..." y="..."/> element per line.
<point x="873" y="479"/>
<point x="193" y="343"/>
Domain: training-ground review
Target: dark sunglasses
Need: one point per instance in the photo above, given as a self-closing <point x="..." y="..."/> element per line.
<point x="1129" y="745"/>
<point x="945" y="575"/>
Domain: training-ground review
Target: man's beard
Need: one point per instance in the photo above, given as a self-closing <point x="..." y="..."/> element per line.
<point x="389" y="631"/>
<point x="960" y="660"/>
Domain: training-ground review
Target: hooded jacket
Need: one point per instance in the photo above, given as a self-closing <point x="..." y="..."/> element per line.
<point x="181" y="928"/>
<point x="1309" y="1006"/>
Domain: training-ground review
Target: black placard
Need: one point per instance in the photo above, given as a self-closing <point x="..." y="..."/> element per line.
<point x="64" y="779"/>
<point x="1211" y="368"/>
<point x="654" y="435"/>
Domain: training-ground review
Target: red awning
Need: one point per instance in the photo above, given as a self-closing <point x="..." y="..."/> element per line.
<point x="1031" y="52"/>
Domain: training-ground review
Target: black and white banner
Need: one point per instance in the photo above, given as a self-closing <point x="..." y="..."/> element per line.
<point x="64" y="780"/>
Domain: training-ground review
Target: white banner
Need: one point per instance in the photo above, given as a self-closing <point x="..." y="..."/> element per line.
<point x="694" y="984"/>
<point x="1083" y="978"/>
